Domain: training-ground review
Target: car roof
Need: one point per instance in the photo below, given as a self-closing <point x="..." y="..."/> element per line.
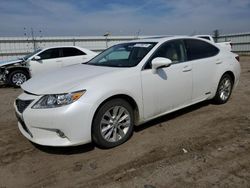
<point x="51" y="47"/>
<point x="163" y="38"/>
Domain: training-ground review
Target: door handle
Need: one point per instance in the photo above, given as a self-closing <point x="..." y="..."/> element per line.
<point x="187" y="69"/>
<point x="218" y="61"/>
<point x="59" y="61"/>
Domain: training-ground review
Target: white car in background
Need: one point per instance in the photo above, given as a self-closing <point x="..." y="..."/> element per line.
<point x="18" y="71"/>
<point x="126" y="85"/>
<point x="225" y="45"/>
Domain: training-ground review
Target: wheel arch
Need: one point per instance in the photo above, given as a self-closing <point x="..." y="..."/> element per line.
<point x="216" y="99"/>
<point x="125" y="97"/>
<point x="217" y="82"/>
<point x="231" y="74"/>
<point x="19" y="68"/>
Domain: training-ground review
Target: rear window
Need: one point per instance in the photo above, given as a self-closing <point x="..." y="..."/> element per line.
<point x="67" y="52"/>
<point x="198" y="49"/>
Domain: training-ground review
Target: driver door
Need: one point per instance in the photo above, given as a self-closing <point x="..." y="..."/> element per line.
<point x="170" y="87"/>
<point x="50" y="59"/>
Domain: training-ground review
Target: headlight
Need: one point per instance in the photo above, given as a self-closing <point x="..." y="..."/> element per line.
<point x="57" y="100"/>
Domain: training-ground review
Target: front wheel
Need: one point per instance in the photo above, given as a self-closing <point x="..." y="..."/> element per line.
<point x="113" y="123"/>
<point x="224" y="89"/>
<point x="17" y="78"/>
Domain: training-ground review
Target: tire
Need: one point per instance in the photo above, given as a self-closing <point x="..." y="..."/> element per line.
<point x="113" y="123"/>
<point x="17" y="78"/>
<point x="224" y="89"/>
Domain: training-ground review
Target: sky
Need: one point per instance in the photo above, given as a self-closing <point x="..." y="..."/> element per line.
<point x="123" y="17"/>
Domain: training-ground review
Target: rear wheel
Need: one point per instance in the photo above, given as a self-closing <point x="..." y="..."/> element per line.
<point x="224" y="89"/>
<point x="17" y="77"/>
<point x="113" y="123"/>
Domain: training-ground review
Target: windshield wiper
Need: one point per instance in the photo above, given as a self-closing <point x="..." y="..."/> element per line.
<point x="22" y="58"/>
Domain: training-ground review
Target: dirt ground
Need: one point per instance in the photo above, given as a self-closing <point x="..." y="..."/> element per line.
<point x="204" y="145"/>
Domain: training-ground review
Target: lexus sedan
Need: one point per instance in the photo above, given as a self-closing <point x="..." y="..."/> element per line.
<point x="124" y="86"/>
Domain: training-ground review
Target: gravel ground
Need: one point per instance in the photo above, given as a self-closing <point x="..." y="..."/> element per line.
<point x="204" y="145"/>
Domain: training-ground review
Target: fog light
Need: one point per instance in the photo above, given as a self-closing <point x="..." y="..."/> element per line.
<point x="60" y="133"/>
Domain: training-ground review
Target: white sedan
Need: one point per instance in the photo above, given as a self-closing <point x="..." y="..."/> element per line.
<point x="126" y="85"/>
<point x="18" y="71"/>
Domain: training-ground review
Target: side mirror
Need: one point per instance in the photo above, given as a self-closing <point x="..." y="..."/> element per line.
<point x="160" y="62"/>
<point x="37" y="58"/>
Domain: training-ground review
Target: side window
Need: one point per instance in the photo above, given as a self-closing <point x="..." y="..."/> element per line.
<point x="50" y="54"/>
<point x="173" y="50"/>
<point x="67" y="52"/>
<point x="197" y="49"/>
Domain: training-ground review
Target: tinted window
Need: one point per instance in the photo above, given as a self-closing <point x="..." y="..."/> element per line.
<point x="67" y="52"/>
<point x="50" y="54"/>
<point x="197" y="49"/>
<point x="173" y="50"/>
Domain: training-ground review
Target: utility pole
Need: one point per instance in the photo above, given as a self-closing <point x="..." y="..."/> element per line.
<point x="216" y="35"/>
<point x="27" y="44"/>
<point x="106" y="37"/>
<point x="138" y="33"/>
<point x="33" y="38"/>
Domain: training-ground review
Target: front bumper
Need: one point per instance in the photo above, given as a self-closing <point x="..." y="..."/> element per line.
<point x="63" y="126"/>
<point x="2" y="75"/>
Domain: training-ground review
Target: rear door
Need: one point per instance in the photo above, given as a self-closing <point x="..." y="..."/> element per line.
<point x="203" y="57"/>
<point x="73" y="56"/>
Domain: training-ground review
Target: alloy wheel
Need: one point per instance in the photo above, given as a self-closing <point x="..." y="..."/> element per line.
<point x="115" y="123"/>
<point x="18" y="79"/>
<point x="225" y="89"/>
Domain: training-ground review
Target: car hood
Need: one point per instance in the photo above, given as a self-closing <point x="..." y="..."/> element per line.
<point x="65" y="79"/>
<point x="3" y="63"/>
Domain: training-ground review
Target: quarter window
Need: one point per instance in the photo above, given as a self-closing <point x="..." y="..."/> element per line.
<point x="197" y="49"/>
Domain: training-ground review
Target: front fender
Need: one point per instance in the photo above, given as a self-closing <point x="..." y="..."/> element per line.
<point x="97" y="97"/>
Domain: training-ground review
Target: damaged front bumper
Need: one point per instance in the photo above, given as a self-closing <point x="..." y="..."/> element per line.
<point x="6" y="69"/>
<point x="3" y="74"/>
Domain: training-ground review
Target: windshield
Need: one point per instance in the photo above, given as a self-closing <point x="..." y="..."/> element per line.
<point x="31" y="54"/>
<point x="123" y="55"/>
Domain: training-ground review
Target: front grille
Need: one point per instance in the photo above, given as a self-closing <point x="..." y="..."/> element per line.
<point x="22" y="104"/>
